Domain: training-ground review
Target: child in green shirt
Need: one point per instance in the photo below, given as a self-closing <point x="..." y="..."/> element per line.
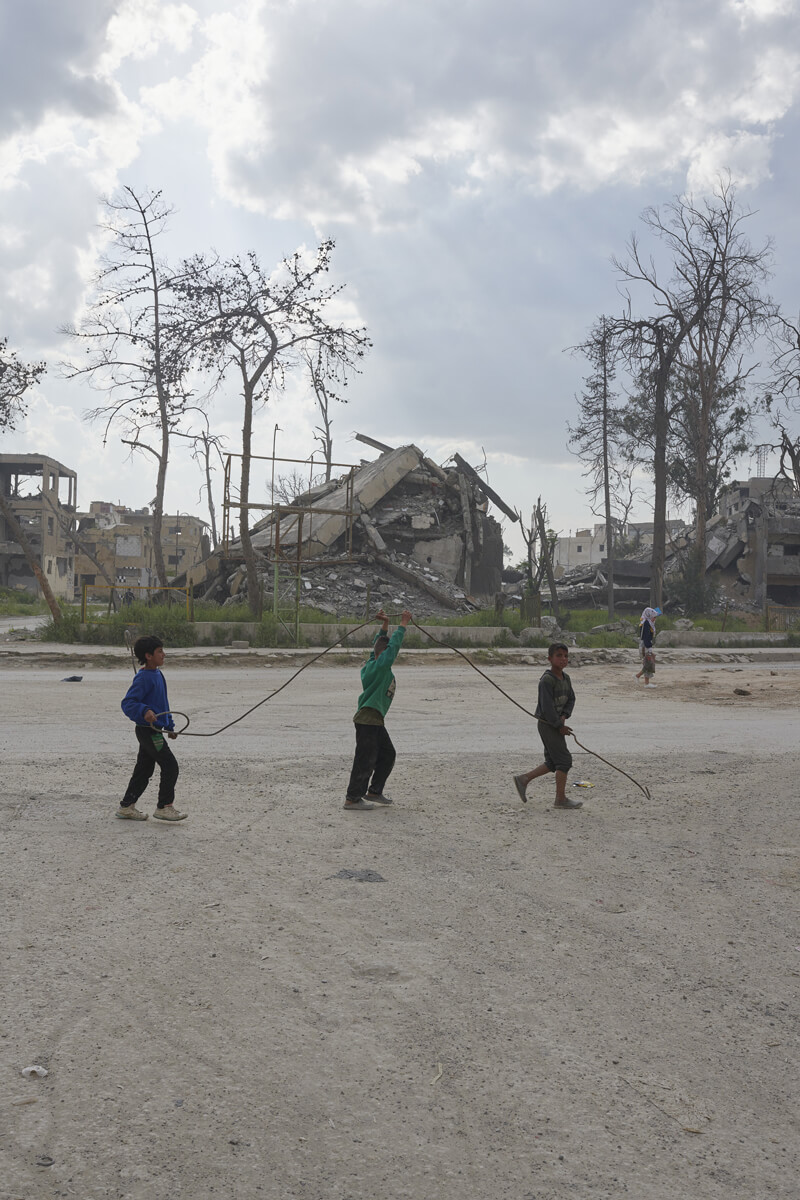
<point x="375" y="754"/>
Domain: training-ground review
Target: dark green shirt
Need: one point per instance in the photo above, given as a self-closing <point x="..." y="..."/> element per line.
<point x="378" y="682"/>
<point x="556" y="699"/>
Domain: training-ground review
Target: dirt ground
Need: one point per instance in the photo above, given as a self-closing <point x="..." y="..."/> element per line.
<point x="527" y="1004"/>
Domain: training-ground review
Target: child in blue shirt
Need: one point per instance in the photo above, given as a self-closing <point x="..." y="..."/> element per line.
<point x="145" y="703"/>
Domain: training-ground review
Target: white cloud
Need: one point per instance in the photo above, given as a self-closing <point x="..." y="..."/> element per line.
<point x="141" y="28"/>
<point x="746" y="156"/>
<point x="219" y="93"/>
<point x="762" y="10"/>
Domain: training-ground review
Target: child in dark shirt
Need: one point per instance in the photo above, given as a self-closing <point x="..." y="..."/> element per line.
<point x="556" y="702"/>
<point x="145" y="703"/>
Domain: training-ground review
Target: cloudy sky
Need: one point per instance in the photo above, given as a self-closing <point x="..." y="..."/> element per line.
<point x="477" y="162"/>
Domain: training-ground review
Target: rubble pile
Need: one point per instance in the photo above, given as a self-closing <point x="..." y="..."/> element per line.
<point x="354" y="588"/>
<point x="402" y="531"/>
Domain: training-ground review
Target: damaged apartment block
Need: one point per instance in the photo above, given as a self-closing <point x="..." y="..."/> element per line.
<point x="39" y="491"/>
<point x="397" y="531"/>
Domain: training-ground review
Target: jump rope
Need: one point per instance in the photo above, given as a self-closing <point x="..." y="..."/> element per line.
<point x="183" y="732"/>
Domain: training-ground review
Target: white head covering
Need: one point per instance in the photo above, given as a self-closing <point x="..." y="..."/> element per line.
<point x="650" y="615"/>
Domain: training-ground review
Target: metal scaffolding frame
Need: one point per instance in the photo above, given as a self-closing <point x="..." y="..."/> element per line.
<point x="287" y="561"/>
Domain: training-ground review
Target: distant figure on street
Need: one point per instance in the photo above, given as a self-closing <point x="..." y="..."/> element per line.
<point x="647" y="634"/>
<point x="375" y="754"/>
<point x="556" y="702"/>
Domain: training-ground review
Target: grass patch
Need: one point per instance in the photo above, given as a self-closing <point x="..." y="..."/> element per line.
<point x="164" y="621"/>
<point x="15" y="603"/>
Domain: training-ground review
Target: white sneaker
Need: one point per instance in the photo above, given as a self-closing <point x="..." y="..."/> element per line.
<point x="130" y="813"/>
<point x="169" y="813"/>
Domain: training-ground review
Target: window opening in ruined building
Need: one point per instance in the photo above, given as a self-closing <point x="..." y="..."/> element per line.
<point x="602" y="548"/>
<point x="579" y="549"/>
<point x="49" y="524"/>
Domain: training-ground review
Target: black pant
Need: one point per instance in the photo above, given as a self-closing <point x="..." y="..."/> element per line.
<point x="153" y="749"/>
<point x="374" y="756"/>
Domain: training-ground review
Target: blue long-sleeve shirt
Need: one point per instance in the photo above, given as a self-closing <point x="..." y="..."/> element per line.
<point x="148" y="691"/>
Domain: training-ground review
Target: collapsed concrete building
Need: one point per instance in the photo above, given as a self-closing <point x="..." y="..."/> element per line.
<point x="397" y="531"/>
<point x="752" y="554"/>
<point x="756" y="550"/>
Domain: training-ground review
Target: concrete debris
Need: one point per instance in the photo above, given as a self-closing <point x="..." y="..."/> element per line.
<point x="623" y="627"/>
<point x="399" y="531"/>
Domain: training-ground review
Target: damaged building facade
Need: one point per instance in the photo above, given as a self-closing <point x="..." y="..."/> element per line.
<point x="754" y="541"/>
<point x="121" y="540"/>
<point x="396" y="531"/>
<point x="752" y="553"/>
<point x="39" y="490"/>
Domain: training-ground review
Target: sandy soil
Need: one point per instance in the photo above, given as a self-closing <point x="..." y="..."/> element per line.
<point x="529" y="1005"/>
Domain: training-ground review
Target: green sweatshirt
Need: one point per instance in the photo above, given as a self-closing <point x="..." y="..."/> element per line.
<point x="378" y="682"/>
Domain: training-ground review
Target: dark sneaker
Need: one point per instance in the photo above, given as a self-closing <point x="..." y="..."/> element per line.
<point x="520" y="786"/>
<point x="358" y="806"/>
<point x="130" y="813"/>
<point x="169" y="813"/>
<point x="568" y="804"/>
<point x="378" y="799"/>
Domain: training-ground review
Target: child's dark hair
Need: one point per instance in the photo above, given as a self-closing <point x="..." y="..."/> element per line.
<point x="146" y="645"/>
<point x="380" y="644"/>
<point x="551" y="649"/>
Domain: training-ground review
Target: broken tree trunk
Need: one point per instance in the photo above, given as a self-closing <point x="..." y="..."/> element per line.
<point x="548" y="561"/>
<point x="469" y="544"/>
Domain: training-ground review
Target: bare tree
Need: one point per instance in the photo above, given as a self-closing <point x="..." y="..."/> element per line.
<point x="253" y="325"/>
<point x="15" y="379"/>
<point x="294" y="485"/>
<point x="207" y="451"/>
<point x="329" y="376"/>
<point x="710" y="310"/>
<point x="134" y="340"/>
<point x="597" y="435"/>
<point x="725" y="435"/>
<point x="539" y="544"/>
<point x="783" y="398"/>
